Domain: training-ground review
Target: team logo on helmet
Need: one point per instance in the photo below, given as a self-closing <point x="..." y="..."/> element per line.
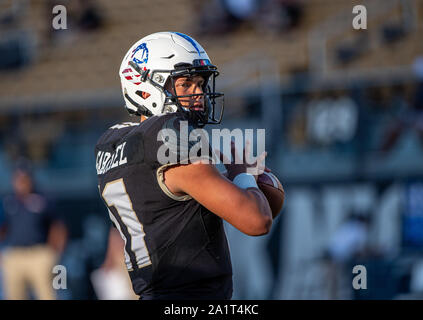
<point x="140" y="54"/>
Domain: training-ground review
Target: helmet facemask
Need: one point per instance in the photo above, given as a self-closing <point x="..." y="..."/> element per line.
<point x="211" y="98"/>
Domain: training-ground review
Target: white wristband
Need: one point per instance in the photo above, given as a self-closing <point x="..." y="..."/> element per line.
<point x="245" y="181"/>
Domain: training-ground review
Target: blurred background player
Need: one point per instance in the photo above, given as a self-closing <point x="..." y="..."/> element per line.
<point x="34" y="238"/>
<point x="111" y="281"/>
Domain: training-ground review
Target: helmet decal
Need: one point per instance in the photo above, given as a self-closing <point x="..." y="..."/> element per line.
<point x="140" y="54"/>
<point x="190" y="40"/>
<point x="131" y="76"/>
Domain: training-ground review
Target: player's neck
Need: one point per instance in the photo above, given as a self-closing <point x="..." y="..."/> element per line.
<point x="142" y="118"/>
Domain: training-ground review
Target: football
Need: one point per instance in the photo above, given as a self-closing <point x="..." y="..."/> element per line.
<point x="270" y="185"/>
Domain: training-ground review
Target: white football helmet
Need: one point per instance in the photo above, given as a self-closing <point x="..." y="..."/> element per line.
<point x="158" y="58"/>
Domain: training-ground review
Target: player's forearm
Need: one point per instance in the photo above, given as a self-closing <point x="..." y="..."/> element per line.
<point x="254" y="214"/>
<point x="261" y="208"/>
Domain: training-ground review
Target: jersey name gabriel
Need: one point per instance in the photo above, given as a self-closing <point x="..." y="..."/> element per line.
<point x="109" y="160"/>
<point x="171" y="242"/>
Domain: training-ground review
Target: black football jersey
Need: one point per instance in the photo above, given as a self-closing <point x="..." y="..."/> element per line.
<point x="174" y="247"/>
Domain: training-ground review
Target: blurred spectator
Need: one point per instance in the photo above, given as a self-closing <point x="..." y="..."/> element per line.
<point x="393" y="32"/>
<point x="18" y="43"/>
<point x="297" y="126"/>
<point x="348" y="244"/>
<point x="350" y="240"/>
<point x="399" y="116"/>
<point x="418" y="71"/>
<point x="351" y="50"/>
<point x="34" y="239"/>
<point x="219" y="17"/>
<point x="395" y="112"/>
<point x="331" y="120"/>
<point x="293" y="12"/>
<point x="418" y="100"/>
<point x="82" y="16"/>
<point x="111" y="281"/>
<point x="11" y="16"/>
<point x="240" y="10"/>
<point x="87" y="15"/>
<point x="279" y="15"/>
<point x="214" y="19"/>
<point x="1" y="247"/>
<point x="416" y="281"/>
<point x="84" y="253"/>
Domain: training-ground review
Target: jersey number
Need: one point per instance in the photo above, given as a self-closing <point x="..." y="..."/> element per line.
<point x="132" y="232"/>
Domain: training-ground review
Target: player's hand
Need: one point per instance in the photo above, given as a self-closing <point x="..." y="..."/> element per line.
<point x="237" y="165"/>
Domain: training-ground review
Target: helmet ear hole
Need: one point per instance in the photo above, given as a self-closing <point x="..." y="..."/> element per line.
<point x="142" y="94"/>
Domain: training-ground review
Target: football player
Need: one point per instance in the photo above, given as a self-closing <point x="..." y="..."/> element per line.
<point x="170" y="214"/>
